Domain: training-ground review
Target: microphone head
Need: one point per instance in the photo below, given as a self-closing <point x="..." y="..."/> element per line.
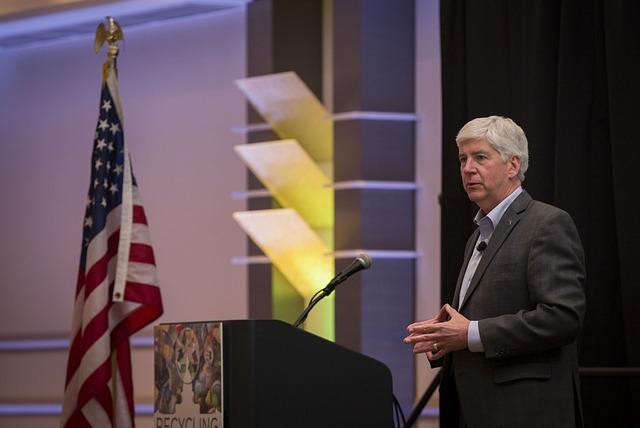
<point x="364" y="260"/>
<point x="482" y="246"/>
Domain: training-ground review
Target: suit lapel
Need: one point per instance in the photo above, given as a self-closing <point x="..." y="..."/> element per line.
<point x="467" y="256"/>
<point x="507" y="223"/>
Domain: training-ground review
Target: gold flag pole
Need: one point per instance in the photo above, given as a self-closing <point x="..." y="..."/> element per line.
<point x="111" y="33"/>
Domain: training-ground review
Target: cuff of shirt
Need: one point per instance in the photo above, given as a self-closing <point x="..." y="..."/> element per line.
<point x="473" y="338"/>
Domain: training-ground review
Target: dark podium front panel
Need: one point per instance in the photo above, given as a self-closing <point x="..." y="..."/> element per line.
<point x="278" y="376"/>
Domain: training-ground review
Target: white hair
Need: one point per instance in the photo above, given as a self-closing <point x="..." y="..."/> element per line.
<point x="503" y="134"/>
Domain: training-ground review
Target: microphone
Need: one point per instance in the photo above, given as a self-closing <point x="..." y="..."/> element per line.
<point x="482" y="246"/>
<point x="363" y="261"/>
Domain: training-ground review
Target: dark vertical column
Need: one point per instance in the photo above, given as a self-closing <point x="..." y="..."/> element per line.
<point x="282" y="35"/>
<point x="373" y="71"/>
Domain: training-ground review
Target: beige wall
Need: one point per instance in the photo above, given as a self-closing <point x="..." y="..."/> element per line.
<point x="428" y="176"/>
<point x="176" y="84"/>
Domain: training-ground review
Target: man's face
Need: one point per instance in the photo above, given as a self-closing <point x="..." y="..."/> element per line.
<point x="485" y="177"/>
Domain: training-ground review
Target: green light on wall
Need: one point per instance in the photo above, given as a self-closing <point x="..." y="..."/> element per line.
<point x="297" y="170"/>
<point x="299" y="253"/>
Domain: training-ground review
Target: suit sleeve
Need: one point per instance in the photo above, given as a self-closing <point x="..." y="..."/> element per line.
<point x="555" y="276"/>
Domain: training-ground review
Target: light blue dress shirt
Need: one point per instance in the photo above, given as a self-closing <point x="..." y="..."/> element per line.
<point x="486" y="224"/>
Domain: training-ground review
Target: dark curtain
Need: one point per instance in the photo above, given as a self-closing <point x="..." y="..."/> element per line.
<point x="568" y="72"/>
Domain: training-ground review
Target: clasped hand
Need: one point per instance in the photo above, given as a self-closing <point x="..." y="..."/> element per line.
<point x="447" y="331"/>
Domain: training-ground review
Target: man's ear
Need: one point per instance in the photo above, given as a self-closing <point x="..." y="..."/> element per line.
<point x="514" y="166"/>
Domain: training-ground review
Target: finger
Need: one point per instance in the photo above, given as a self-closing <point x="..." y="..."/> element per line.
<point x="409" y="339"/>
<point x="417" y="337"/>
<point x="439" y="353"/>
<point x="412" y="338"/>
<point x="414" y="325"/>
<point x="426" y="329"/>
<point x="433" y="320"/>
<point x="450" y="311"/>
<point x="443" y="312"/>
<point x="432" y="357"/>
<point x="421" y="348"/>
<point x="420" y="324"/>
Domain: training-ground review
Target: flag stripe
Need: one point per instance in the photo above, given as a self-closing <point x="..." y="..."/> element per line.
<point x="95" y="330"/>
<point x="96" y="415"/>
<point x="104" y="399"/>
<point x="124" y="371"/>
<point x="138" y="211"/>
<point x="140" y="234"/>
<point x="138" y="292"/>
<point x="95" y="382"/>
<point x="136" y="320"/>
<point x="140" y="273"/>
<point x="141" y="253"/>
<point x="98" y="271"/>
<point x="98" y="245"/>
<point x="99" y="297"/>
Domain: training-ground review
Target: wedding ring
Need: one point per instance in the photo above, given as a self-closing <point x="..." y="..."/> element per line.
<point x="434" y="348"/>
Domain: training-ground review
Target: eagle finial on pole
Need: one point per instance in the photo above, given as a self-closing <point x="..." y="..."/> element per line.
<point x="110" y="33"/>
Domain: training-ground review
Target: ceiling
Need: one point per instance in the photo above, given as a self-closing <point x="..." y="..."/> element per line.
<point x="30" y="22"/>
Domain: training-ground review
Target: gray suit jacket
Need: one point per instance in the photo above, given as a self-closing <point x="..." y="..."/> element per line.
<point x="527" y="295"/>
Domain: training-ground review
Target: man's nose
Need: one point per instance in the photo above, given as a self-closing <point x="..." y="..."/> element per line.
<point x="468" y="166"/>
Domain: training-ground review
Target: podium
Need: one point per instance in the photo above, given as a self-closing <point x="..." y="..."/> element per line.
<point x="274" y="375"/>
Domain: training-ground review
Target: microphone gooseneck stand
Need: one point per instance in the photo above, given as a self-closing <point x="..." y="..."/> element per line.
<point x="314" y="300"/>
<point x="363" y="261"/>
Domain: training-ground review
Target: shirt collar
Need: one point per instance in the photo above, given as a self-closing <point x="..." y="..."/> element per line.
<point x="488" y="222"/>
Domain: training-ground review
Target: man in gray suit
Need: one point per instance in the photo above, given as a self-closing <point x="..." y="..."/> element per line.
<point x="507" y="341"/>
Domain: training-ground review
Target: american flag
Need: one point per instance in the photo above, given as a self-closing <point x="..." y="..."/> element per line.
<point x="117" y="292"/>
